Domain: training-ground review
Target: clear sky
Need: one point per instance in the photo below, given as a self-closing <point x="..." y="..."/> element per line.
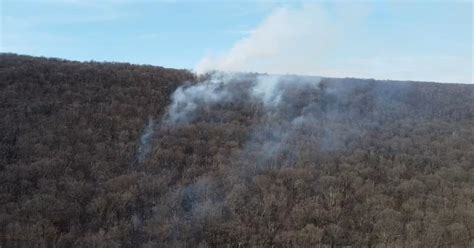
<point x="402" y="40"/>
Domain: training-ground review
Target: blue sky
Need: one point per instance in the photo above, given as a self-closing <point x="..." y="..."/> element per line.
<point x="405" y="40"/>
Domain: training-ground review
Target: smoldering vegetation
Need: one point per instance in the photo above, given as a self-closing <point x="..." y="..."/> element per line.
<point x="238" y="160"/>
<point x="146" y="141"/>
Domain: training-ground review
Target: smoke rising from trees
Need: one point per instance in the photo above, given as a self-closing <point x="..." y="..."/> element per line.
<point x="296" y="161"/>
<point x="291" y="40"/>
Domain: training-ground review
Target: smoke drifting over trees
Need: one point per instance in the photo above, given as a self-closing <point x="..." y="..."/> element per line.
<point x="101" y="154"/>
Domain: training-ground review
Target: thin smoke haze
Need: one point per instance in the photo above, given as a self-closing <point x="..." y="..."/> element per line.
<point x="309" y="124"/>
<point x="316" y="40"/>
<point x="287" y="41"/>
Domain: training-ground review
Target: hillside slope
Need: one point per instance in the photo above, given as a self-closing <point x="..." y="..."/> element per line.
<point x="90" y="155"/>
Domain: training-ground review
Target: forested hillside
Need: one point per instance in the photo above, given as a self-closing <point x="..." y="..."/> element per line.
<point x="119" y="155"/>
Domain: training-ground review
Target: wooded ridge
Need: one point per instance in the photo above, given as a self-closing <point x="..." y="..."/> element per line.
<point x="119" y="155"/>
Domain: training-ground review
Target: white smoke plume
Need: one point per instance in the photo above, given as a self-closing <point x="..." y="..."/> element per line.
<point x="220" y="88"/>
<point x="267" y="89"/>
<point x="186" y="100"/>
<point x="288" y="41"/>
<point x="145" y="141"/>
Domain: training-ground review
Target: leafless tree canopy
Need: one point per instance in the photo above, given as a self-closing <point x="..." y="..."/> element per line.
<point x="92" y="155"/>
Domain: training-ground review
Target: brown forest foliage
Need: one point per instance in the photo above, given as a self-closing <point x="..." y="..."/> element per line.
<point x="373" y="163"/>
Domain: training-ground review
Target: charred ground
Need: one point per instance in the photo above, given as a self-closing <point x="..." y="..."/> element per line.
<point x="319" y="161"/>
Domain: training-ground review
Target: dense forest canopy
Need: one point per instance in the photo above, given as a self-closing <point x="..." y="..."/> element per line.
<point x="118" y="155"/>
